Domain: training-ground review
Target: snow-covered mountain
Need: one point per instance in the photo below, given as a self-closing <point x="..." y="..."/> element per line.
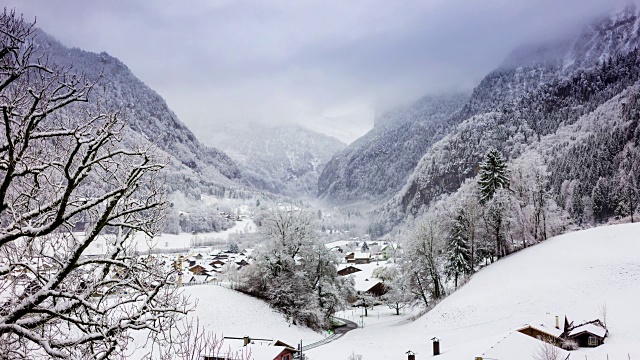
<point x="285" y="159"/>
<point x="148" y="119"/>
<point x="377" y="164"/>
<point x="516" y="108"/>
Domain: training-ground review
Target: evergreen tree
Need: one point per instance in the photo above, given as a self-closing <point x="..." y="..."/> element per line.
<point x="365" y="247"/>
<point x="493" y="175"/>
<point x="458" y="252"/>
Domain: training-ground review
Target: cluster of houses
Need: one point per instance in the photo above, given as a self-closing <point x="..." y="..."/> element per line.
<point x="556" y="334"/>
<point x="359" y="251"/>
<point x="201" y="268"/>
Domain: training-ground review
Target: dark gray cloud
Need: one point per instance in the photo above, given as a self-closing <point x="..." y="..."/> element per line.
<point x="328" y="65"/>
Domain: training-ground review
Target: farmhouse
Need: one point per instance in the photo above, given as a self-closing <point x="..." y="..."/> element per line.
<point x="589" y="334"/>
<point x="348" y="270"/>
<point x="546" y="330"/>
<point x="360" y="258"/>
<point x="586" y="334"/>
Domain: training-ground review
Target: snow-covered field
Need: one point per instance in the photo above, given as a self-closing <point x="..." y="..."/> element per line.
<point x="234" y="314"/>
<point x="571" y="274"/>
<point x="169" y="242"/>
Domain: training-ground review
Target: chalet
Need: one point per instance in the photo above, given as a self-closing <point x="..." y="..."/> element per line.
<point x="589" y="334"/>
<point x="273" y="350"/>
<point x="201" y="270"/>
<point x="217" y="263"/>
<point x="550" y="331"/>
<point x="348" y="270"/>
<point x="377" y="288"/>
<point x="362" y="258"/>
<point x="349" y="257"/>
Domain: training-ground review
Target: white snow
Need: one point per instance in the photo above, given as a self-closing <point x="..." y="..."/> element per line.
<point x="517" y="346"/>
<point x="234" y="314"/>
<point x="175" y="242"/>
<point x="574" y="274"/>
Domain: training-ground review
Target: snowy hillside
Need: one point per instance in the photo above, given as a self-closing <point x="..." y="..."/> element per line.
<point x="573" y="274"/>
<point x="541" y="111"/>
<point x="149" y="119"/>
<point x="377" y="164"/>
<point x="234" y="314"/>
<point x="285" y="159"/>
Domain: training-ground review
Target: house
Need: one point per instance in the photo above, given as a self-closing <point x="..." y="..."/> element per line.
<point x="547" y="329"/>
<point x="267" y="352"/>
<point x="242" y="262"/>
<point x="272" y="350"/>
<point x="348" y="270"/>
<point x="589" y="334"/>
<point x="349" y="257"/>
<point x="377" y="288"/>
<point x="217" y="263"/>
<point x="361" y="258"/>
<point x="518" y="346"/>
<point x="201" y="270"/>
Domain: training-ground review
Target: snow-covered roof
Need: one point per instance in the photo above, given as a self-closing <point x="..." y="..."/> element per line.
<point x="545" y="328"/>
<point x="364" y="279"/>
<point x="264" y="352"/>
<point x="518" y="346"/>
<point x="591" y="328"/>
<point x="360" y="255"/>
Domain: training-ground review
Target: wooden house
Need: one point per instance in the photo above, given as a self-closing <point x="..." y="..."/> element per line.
<point x="589" y="334"/>
<point x="200" y="270"/>
<point x="546" y="329"/>
<point x="348" y="270"/>
<point x="361" y="258"/>
<point x="349" y="257"/>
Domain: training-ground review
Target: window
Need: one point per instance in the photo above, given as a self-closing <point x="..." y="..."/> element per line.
<point x="593" y="341"/>
<point x="285" y="357"/>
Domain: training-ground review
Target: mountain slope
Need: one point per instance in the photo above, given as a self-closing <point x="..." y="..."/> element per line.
<point x="518" y="123"/>
<point x="571" y="274"/>
<point x="375" y="165"/>
<point x="284" y="159"/>
<point x="148" y="118"/>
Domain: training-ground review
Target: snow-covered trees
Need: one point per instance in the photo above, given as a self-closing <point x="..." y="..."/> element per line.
<point x="296" y="273"/>
<point x="458" y="257"/>
<point x="421" y="265"/>
<point x="67" y="183"/>
<point x="493" y="175"/>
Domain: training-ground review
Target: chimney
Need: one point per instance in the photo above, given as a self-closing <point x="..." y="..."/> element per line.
<point x="557" y="322"/>
<point x="411" y="355"/>
<point x="436" y="346"/>
<point x="246" y="340"/>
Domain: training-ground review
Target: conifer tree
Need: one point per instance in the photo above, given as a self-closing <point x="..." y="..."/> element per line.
<point x="365" y="247"/>
<point x="458" y="252"/>
<point x="493" y="175"/>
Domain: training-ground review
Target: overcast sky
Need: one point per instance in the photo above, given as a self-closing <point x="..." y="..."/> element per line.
<point x="328" y="65"/>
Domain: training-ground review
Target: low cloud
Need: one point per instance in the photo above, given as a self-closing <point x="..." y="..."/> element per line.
<point x="328" y="65"/>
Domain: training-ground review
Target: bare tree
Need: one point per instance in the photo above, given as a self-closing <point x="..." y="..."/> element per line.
<point x="67" y="183"/>
<point x="547" y="351"/>
<point x="188" y="340"/>
<point x="602" y="309"/>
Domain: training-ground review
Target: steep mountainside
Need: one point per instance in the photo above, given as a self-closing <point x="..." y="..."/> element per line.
<point x="377" y="164"/>
<point x="600" y="64"/>
<point x="285" y="159"/>
<point x="149" y="120"/>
